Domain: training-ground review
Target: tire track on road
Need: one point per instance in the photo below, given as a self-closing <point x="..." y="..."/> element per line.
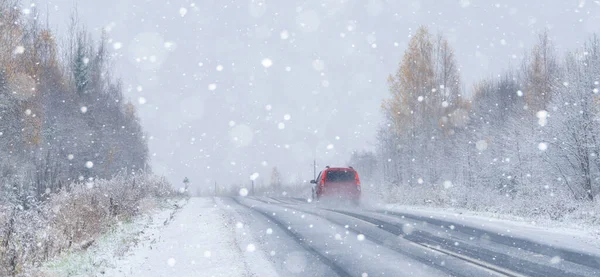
<point x="423" y="257"/>
<point x="565" y="254"/>
<point x="502" y="263"/>
<point x="301" y="241"/>
<point x="418" y="255"/>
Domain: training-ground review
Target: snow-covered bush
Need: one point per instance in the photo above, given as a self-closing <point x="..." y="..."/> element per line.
<point x="31" y="232"/>
<point x="538" y="204"/>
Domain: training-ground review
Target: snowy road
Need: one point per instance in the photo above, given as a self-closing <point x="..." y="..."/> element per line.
<point x="260" y="236"/>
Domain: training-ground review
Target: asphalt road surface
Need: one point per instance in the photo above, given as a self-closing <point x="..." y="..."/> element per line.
<point x="322" y="239"/>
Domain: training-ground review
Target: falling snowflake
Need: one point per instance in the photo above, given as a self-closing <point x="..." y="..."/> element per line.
<point x="117" y="45"/>
<point x="318" y="65"/>
<point x="243" y="192"/>
<point x="360" y="237"/>
<point x="281" y="125"/>
<point x="183" y="11"/>
<point x="267" y="63"/>
<point x="19" y="50"/>
<point x="542" y="117"/>
<point x="142" y="100"/>
<point x="89" y="164"/>
<point x="542" y="146"/>
<point x="481" y="145"/>
<point x="171" y="262"/>
<point x="212" y="87"/>
<point x="284" y="34"/>
<point x="169" y="45"/>
<point x="269" y="231"/>
<point x="250" y="248"/>
<point x="287" y="117"/>
<point x="447" y="184"/>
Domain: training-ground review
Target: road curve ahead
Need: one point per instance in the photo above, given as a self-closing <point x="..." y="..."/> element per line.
<point x="314" y="239"/>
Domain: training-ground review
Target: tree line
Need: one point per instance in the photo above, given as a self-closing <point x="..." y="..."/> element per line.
<point x="73" y="155"/>
<point x="529" y="133"/>
<point x="63" y="116"/>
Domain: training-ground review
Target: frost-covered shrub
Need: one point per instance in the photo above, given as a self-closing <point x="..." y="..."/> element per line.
<point x="540" y="204"/>
<point x="31" y="232"/>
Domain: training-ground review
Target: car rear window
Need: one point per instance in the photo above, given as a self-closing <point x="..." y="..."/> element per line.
<point x="340" y="176"/>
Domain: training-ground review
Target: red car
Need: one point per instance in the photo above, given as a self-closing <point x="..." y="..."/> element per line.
<point x="340" y="183"/>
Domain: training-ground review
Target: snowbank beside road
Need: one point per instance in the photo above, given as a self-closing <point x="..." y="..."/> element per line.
<point x="199" y="241"/>
<point x="578" y="239"/>
<point x="113" y="245"/>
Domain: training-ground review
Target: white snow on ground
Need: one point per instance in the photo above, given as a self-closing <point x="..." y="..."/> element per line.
<point x="563" y="237"/>
<point x="255" y="258"/>
<point x="200" y="241"/>
<point x="110" y="246"/>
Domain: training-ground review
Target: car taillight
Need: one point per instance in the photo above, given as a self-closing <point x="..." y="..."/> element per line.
<point x="356" y="178"/>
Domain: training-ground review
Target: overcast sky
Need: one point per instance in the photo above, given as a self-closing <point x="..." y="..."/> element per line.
<point x="226" y="89"/>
